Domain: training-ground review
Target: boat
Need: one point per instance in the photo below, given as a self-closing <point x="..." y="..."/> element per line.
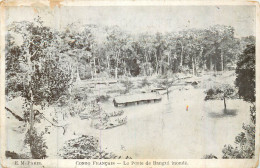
<point x="111" y="124"/>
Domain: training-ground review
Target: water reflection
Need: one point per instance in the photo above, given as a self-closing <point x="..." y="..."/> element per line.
<point x="225" y="113"/>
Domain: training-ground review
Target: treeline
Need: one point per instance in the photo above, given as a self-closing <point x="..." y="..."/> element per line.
<point x="113" y="52"/>
<point x="97" y="51"/>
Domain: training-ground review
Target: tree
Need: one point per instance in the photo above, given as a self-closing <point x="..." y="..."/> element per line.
<point x="245" y="82"/>
<point x="116" y="40"/>
<point x="80" y="46"/>
<point x="145" y="42"/>
<point x="245" y="71"/>
<point x="40" y="76"/>
<point x="223" y="92"/>
<point x="159" y="45"/>
<point x="166" y="83"/>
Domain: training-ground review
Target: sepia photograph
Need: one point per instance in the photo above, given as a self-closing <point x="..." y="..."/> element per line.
<point x="126" y="82"/>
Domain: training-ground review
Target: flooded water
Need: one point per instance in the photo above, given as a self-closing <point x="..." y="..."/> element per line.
<point x="169" y="129"/>
<point x="162" y="130"/>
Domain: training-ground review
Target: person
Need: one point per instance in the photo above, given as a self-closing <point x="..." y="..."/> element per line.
<point x="114" y="101"/>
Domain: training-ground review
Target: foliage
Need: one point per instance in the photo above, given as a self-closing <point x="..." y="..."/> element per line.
<point x="245" y="71"/>
<point x="90" y="51"/>
<point x="210" y="156"/>
<point x="245" y="82"/>
<point x="26" y="113"/>
<point x="221" y="91"/>
<point x="14" y="155"/>
<point x="145" y="82"/>
<point x="245" y="142"/>
<point x="37" y="145"/>
<point x="245" y="148"/>
<point x="128" y="84"/>
<point x="103" y="98"/>
<point x="165" y="82"/>
<point x="34" y="68"/>
<point x="253" y="114"/>
<point x="85" y="147"/>
<point x="79" y="95"/>
<point x="76" y="108"/>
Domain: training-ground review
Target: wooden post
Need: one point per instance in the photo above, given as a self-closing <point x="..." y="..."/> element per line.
<point x="225" y="106"/>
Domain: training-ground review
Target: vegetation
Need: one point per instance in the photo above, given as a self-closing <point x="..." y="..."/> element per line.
<point x="14" y="155"/>
<point x="127" y="85"/>
<point x="245" y="148"/>
<point x="245" y="71"/>
<point x="119" y="53"/>
<point x="245" y="82"/>
<point x="34" y="71"/>
<point x="210" y="156"/>
<point x="45" y="65"/>
<point x="166" y="83"/>
<point x="85" y="147"/>
<point x="36" y="143"/>
<point x="222" y="92"/>
<point x="145" y="82"/>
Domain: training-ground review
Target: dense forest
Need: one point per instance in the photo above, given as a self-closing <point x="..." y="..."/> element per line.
<point x="97" y="51"/>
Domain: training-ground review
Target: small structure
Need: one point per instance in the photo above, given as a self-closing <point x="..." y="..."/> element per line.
<point x="159" y="90"/>
<point x="101" y="81"/>
<point x="231" y="67"/>
<point x="193" y="80"/>
<point x="136" y="99"/>
<point x="108" y="124"/>
<point x="93" y="83"/>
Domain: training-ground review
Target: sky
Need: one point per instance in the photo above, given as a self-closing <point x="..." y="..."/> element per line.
<point x="144" y="18"/>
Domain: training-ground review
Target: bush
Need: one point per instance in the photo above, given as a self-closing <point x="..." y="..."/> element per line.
<point x="85" y="147"/>
<point x="14" y="155"/>
<point x="210" y="92"/>
<point x="210" y="156"/>
<point x="103" y="98"/>
<point x="145" y="82"/>
<point x="128" y="85"/>
<point x="36" y="142"/>
<point x="79" y="95"/>
<point x="76" y="108"/>
<point x="221" y="91"/>
<point x="245" y="143"/>
<point x="85" y="71"/>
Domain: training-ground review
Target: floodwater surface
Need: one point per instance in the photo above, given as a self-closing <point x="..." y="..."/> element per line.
<point x="181" y="127"/>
